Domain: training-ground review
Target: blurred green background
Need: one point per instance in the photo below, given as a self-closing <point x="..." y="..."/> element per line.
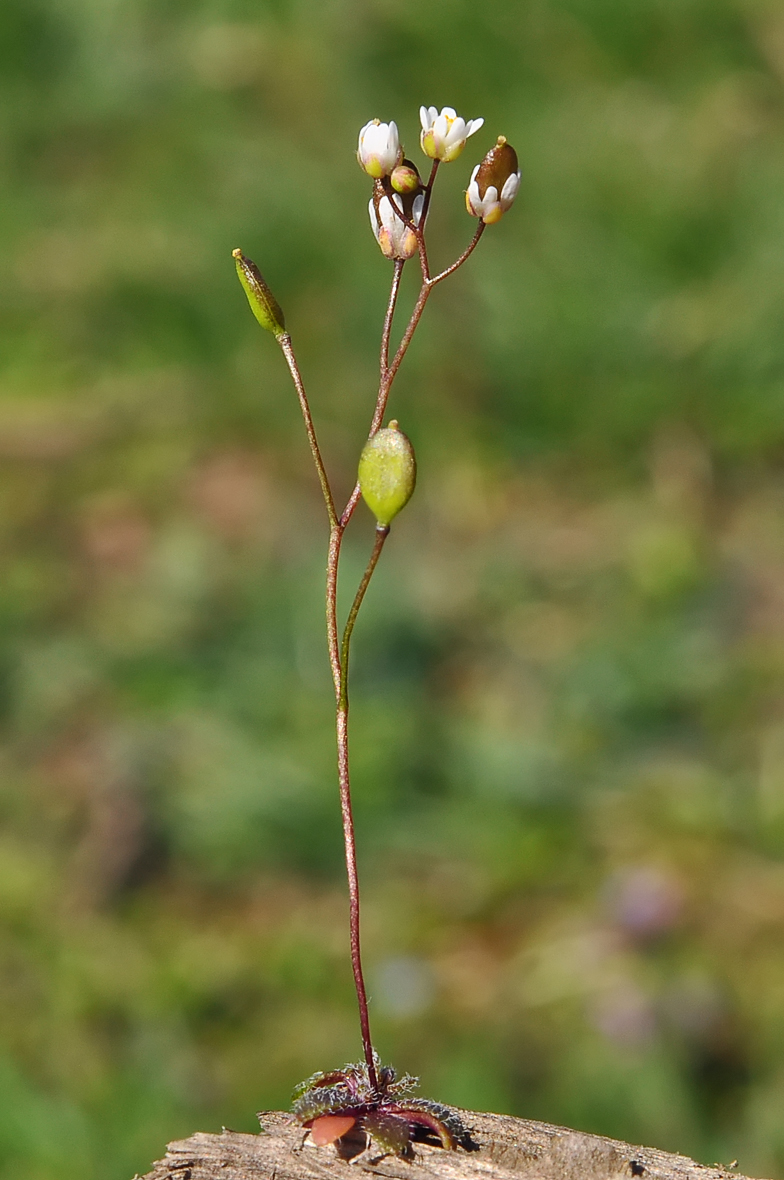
<point x="568" y="710"/>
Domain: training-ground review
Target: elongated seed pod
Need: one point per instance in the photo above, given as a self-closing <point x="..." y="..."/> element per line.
<point x="387" y="473"/>
<point x="262" y="302"/>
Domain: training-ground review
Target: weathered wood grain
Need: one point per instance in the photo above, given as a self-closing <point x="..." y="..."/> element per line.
<point x="505" y="1148"/>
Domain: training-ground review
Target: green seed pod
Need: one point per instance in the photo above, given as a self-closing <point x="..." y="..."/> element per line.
<point x="387" y="473"/>
<point x="262" y="302"/>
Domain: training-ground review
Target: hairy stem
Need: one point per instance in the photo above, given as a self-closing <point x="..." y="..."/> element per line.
<point x="339" y="649"/>
<point x="336" y="530"/>
<point x="428" y="192"/>
<point x="353" y="888"/>
<point x="382" y="532"/>
<point x="399" y="264"/>
<point x="339" y="676"/>
<point x="385" y="385"/>
<point x="450" y="270"/>
<point x="388" y="374"/>
<point x="285" y="343"/>
<point x="420" y="231"/>
<point x="346" y="809"/>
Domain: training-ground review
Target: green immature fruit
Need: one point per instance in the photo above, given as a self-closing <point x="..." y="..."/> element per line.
<point x="262" y="302"/>
<point x="387" y="473"/>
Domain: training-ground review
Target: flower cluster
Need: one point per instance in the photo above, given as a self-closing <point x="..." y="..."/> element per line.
<point x="399" y="199"/>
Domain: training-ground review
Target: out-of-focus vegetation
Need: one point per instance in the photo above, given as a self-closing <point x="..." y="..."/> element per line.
<point x="568" y="719"/>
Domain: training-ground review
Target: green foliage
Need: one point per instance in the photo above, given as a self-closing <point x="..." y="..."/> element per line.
<point x="567" y="718"/>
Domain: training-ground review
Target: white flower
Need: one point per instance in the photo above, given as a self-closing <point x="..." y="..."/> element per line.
<point x="396" y="239"/>
<point x="379" y="148"/>
<point x="494" y="183"/>
<point x="492" y="205"/>
<point x="444" y="136"/>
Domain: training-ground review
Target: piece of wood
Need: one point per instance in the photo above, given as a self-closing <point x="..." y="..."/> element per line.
<point x="505" y="1149"/>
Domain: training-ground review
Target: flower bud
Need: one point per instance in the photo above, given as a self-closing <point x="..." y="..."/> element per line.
<point x="379" y="148"/>
<point x="396" y="239"/>
<point x="262" y="302"/>
<point x="405" y="178"/>
<point x="444" y="136"/>
<point x="494" y="183"/>
<point x="387" y="473"/>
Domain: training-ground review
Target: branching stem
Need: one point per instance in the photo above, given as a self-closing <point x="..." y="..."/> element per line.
<point x="285" y="343"/>
<point x="339" y="648"/>
<point x="382" y="532"/>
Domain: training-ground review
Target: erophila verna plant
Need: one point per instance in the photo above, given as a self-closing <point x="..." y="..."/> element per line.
<point x="367" y="1097"/>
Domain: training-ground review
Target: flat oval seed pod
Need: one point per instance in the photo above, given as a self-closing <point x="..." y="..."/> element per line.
<point x="387" y="473"/>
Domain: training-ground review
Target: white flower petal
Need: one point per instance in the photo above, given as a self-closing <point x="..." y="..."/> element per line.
<point x="509" y="191"/>
<point x="456" y="132"/>
<point x="386" y="214"/>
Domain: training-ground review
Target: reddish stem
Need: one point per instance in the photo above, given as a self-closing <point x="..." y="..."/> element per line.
<point x="450" y="270"/>
<point x="399" y="264"/>
<point x="346" y="810"/>
<point x="339" y="650"/>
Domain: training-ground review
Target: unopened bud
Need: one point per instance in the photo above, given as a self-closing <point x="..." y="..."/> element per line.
<point x="405" y="178"/>
<point x="388" y="218"/>
<point x="262" y="302"/>
<point x="387" y="473"/>
<point x="494" y="183"/>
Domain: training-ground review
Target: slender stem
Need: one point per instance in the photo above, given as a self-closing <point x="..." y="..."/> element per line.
<point x="333" y="643"/>
<point x="285" y="343"/>
<point x="351" y="504"/>
<point x="420" y="230"/>
<point x="450" y="270"/>
<point x="384" y="388"/>
<point x="417" y="230"/>
<point x="338" y="655"/>
<point x="346" y="809"/>
<point x="353" y="890"/>
<point x="339" y="649"/>
<point x="423" y="259"/>
<point x="428" y="192"/>
<point x="399" y="264"/>
<point x="402" y="348"/>
<point x="349" y="841"/>
<point x="336" y="531"/>
<point x="382" y="532"/>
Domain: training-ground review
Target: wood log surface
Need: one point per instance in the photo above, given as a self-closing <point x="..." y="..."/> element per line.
<point x="503" y="1148"/>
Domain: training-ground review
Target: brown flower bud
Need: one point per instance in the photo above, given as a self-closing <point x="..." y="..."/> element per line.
<point x="494" y="183"/>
